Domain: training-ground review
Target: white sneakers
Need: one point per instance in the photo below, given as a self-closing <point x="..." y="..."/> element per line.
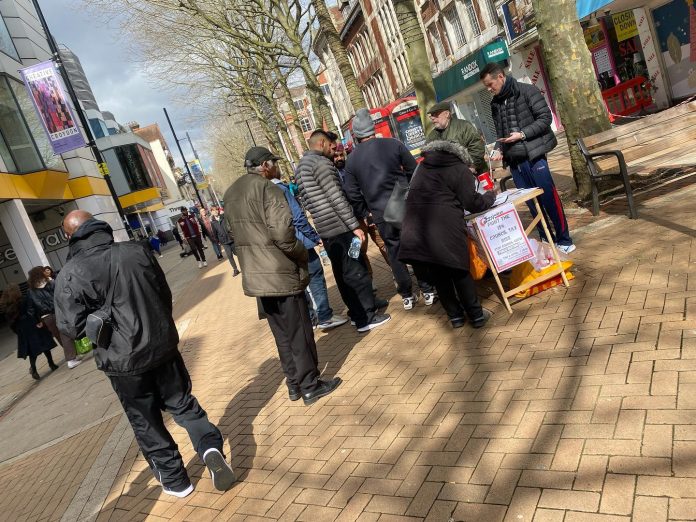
<point x="73" y="363"/>
<point x="180" y="494"/>
<point x="221" y="473"/>
<point x="409" y="302"/>
<point x="335" y="321"/>
<point x="429" y="298"/>
<point x="200" y="264"/>
<point x="205" y="263"/>
<point x="566" y="249"/>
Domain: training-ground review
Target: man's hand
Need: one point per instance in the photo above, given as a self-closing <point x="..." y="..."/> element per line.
<point x="39" y="324"/>
<point x="512" y="138"/>
<point x="359" y="234"/>
<point x="496" y="155"/>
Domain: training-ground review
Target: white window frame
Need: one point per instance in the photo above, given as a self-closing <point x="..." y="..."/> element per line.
<point x="474" y="22"/>
<point x="306" y="124"/>
<point x="456" y="35"/>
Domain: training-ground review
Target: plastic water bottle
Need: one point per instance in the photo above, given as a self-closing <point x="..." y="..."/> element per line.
<point x="354" y="250"/>
<point x="324" y="255"/>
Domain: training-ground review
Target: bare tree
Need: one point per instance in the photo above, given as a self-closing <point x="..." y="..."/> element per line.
<point x="574" y="85"/>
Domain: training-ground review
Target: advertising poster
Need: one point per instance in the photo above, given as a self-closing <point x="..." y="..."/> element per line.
<point x="51" y="104"/>
<point x="624" y="25"/>
<point x="411" y="132"/>
<point x="519" y="17"/>
<point x="675" y="24"/>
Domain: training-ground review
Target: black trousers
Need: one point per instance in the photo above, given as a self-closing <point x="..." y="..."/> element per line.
<point x="196" y="247"/>
<point x="32" y="359"/>
<point x="144" y="397"/>
<point x="288" y="317"/>
<point x="456" y="288"/>
<point x="392" y="240"/>
<point x="352" y="279"/>
<point x="229" y="248"/>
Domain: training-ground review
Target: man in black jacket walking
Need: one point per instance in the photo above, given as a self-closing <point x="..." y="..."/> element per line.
<point x="219" y="234"/>
<point x="142" y="361"/>
<point x="523" y="124"/>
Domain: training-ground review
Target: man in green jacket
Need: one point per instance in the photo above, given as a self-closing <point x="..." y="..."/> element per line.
<point x="274" y="270"/>
<point x="459" y="131"/>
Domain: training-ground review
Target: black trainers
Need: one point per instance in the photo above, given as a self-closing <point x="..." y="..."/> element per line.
<point x="294" y="393"/>
<point x="323" y="389"/>
<point x="220" y="471"/>
<point x="377" y="320"/>
<point x="458" y="322"/>
<point x="481" y="321"/>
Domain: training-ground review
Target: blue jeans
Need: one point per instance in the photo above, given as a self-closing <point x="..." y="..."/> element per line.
<point x="537" y="174"/>
<point x="317" y="293"/>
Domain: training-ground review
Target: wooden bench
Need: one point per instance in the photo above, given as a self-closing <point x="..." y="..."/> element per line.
<point x="636" y="151"/>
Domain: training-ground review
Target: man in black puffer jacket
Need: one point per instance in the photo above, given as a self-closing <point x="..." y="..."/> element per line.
<point x="142" y="361"/>
<point x="523" y="124"/>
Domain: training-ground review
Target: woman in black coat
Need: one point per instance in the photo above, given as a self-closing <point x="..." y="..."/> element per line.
<point x="433" y="233"/>
<point x="31" y="340"/>
<point x="42" y="310"/>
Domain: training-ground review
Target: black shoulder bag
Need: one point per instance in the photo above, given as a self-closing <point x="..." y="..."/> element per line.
<point x="395" y="210"/>
<point x="100" y="324"/>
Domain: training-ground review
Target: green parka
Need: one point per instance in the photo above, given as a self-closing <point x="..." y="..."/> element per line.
<point x="464" y="133"/>
<point x="273" y="261"/>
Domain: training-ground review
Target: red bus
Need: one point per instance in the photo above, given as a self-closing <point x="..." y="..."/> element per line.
<point x="400" y="119"/>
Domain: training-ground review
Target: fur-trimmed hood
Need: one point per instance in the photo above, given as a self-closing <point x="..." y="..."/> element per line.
<point x="438" y="147"/>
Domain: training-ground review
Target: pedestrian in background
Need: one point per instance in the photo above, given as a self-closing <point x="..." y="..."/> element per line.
<point x="141" y="359"/>
<point x="32" y="341"/>
<point x="207" y="229"/>
<point x="274" y="270"/>
<point x="433" y="233"/>
<point x="41" y="308"/>
<point x="155" y="245"/>
<point x="322" y="194"/>
<point x="523" y="125"/>
<point x="177" y="236"/>
<point x="191" y="231"/>
<point x="221" y="235"/>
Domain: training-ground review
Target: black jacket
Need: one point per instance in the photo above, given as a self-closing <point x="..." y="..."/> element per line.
<point x="40" y="301"/>
<point x="371" y="173"/>
<point x="442" y="188"/>
<point x="220" y="233"/>
<point x="522" y="106"/>
<point x="144" y="334"/>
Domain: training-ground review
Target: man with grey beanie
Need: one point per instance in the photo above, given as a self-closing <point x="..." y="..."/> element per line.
<point x="372" y="171"/>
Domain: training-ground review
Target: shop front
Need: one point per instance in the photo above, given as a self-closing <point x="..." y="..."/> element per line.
<point x="462" y="85"/>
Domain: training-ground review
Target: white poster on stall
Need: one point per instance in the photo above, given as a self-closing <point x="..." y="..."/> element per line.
<point x="502" y="232"/>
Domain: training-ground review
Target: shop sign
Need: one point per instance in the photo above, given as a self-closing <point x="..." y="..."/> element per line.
<point x="503" y="233"/>
<point x="50" y="240"/>
<point x="594" y="37"/>
<point x="625" y="25"/>
<point x="519" y="17"/>
<point x="466" y="73"/>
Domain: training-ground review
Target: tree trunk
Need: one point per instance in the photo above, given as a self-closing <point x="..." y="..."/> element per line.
<point x="340" y="55"/>
<point x="417" y="54"/>
<point x="573" y="83"/>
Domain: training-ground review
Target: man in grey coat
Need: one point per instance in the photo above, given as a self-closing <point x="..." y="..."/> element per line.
<point x="321" y="192"/>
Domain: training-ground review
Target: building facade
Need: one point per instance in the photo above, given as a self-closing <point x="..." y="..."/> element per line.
<point x="37" y="187"/>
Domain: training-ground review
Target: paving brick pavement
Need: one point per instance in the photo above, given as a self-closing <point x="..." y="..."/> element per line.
<point x="579" y="406"/>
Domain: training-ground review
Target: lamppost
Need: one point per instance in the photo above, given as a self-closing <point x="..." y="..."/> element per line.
<point x="91" y="142"/>
<point x="188" y="171"/>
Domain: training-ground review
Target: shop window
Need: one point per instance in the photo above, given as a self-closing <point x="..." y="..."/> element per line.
<point x="133" y="167"/>
<point x="454" y="26"/>
<point x="306" y="124"/>
<point x="7" y="46"/>
<point x="299" y="104"/>
<point x="19" y="148"/>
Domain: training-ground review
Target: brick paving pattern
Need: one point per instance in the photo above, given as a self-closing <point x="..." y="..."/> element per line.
<point x="580" y="406"/>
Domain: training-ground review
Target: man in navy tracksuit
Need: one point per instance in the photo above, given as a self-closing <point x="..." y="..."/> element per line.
<point x="523" y="125"/>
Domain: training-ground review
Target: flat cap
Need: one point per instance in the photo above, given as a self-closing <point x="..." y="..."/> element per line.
<point x="439" y="107"/>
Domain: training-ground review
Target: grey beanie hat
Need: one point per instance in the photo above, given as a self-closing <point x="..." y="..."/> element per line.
<point x="363" y="126"/>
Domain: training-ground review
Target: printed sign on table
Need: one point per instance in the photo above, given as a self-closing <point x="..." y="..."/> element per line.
<point x="503" y="234"/>
<point x="46" y="91"/>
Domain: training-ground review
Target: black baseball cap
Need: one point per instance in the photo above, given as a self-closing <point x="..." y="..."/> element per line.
<point x="255" y="156"/>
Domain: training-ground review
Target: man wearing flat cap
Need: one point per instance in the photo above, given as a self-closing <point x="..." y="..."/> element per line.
<point x="447" y="128"/>
<point x="274" y="270"/>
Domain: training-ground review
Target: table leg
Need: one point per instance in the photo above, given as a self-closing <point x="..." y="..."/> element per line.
<point x="559" y="263"/>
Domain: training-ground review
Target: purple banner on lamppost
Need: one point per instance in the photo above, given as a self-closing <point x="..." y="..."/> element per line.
<point x="46" y="90"/>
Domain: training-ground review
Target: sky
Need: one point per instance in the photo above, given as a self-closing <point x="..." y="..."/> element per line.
<point x="119" y="85"/>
